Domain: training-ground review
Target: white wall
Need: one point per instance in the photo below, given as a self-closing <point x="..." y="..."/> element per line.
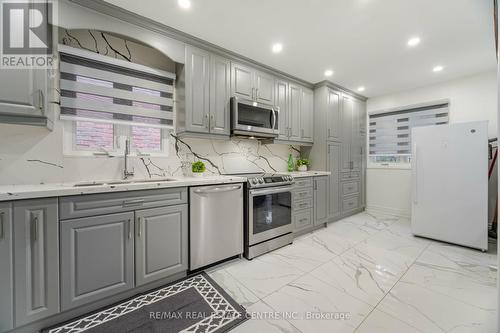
<point x="471" y="98"/>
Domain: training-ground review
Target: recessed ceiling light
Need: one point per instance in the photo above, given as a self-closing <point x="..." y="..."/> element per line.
<point x="328" y="72"/>
<point x="438" y="68"/>
<point x="414" y="41"/>
<point x="277" y="48"/>
<point x="186" y="4"/>
<point x="360" y="89"/>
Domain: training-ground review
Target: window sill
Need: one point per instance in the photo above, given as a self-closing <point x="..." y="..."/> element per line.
<point x="395" y="166"/>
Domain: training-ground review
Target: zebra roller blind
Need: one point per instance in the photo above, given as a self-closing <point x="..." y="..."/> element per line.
<point x="390" y="132"/>
<point x="98" y="88"/>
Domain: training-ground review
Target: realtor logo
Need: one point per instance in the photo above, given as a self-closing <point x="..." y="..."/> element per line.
<point x="27" y="30"/>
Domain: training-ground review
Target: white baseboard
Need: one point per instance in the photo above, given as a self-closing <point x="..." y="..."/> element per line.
<point x="388" y="211"/>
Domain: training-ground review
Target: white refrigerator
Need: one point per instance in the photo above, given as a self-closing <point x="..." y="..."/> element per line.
<point x="450" y="183"/>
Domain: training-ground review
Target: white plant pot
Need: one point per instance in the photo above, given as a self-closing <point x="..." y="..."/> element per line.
<point x="198" y="174"/>
<point x="302" y="168"/>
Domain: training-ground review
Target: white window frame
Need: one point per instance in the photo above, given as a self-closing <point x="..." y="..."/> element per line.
<point x="406" y="163"/>
<point x="121" y="133"/>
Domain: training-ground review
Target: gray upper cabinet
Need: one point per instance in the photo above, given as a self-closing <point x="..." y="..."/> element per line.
<point x="294" y="112"/>
<point x="320" y="200"/>
<point x="306" y="115"/>
<point x="333" y="115"/>
<point x="6" y="281"/>
<point x="249" y="83"/>
<point x="197" y="90"/>
<point x="220" y="93"/>
<point x="36" y="259"/>
<point x="242" y="81"/>
<point x="97" y="258"/>
<point x="264" y="88"/>
<point x="334" y="166"/>
<point x="207" y="93"/>
<point x="282" y="104"/>
<point x="161" y="242"/>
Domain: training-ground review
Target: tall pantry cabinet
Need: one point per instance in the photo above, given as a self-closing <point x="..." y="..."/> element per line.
<point x="340" y="147"/>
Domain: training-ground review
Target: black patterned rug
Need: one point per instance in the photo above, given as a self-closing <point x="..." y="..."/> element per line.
<point x="194" y="304"/>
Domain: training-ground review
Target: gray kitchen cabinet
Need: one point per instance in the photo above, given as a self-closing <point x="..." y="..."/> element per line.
<point x="220" y="94"/>
<point x="306" y="115"/>
<point x="251" y="84"/>
<point x="6" y="273"/>
<point x="347" y="110"/>
<point x="197" y="90"/>
<point x="281" y="98"/>
<point x="36" y="259"/>
<point x="264" y="88"/>
<point x="97" y="258"/>
<point x="161" y="246"/>
<point x="242" y="81"/>
<point x="333" y="117"/>
<point x="294" y="112"/>
<point x="334" y="166"/>
<point x="320" y="200"/>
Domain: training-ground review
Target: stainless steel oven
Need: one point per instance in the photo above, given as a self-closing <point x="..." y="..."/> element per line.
<point x="249" y="118"/>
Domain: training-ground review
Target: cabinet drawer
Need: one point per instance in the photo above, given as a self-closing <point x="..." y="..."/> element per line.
<point x="303" y="193"/>
<point x="303" y="182"/>
<point x="350" y="188"/>
<point x="350" y="175"/>
<point x="106" y="203"/>
<point x="302" y="220"/>
<point x="302" y="204"/>
<point x="350" y="203"/>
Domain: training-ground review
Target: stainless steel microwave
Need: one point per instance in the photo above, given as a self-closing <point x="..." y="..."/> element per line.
<point x="249" y="118"/>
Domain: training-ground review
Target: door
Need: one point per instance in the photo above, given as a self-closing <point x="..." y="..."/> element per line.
<point x="6" y="253"/>
<point x="197" y="90"/>
<point x="294" y="112"/>
<point x="36" y="259"/>
<point x="450" y="183"/>
<point x="97" y="258"/>
<point x="282" y="104"/>
<point x="270" y="213"/>
<point x="161" y="246"/>
<point x="306" y="116"/>
<point x="320" y="200"/>
<point x="334" y="152"/>
<point x="333" y="115"/>
<point x="264" y="88"/>
<point x="220" y="91"/>
<point x="356" y="145"/>
<point x="347" y="110"/>
<point x="242" y="81"/>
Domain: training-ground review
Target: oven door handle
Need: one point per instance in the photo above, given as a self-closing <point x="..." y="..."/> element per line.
<point x="271" y="191"/>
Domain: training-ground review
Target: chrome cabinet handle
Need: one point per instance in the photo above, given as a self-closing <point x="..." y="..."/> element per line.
<point x="139" y="226"/>
<point x="41" y="99"/>
<point x="2" y="214"/>
<point x="212" y="121"/>
<point x="302" y="220"/>
<point x="34" y="228"/>
<point x="207" y="121"/>
<point x="274" y="119"/>
<point x="130" y="227"/>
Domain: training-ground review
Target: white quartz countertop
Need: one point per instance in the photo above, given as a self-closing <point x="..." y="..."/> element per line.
<point x="18" y="192"/>
<point x="312" y="173"/>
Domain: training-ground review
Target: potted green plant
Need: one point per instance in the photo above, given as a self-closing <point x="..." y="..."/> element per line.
<point x="198" y="168"/>
<point x="302" y="164"/>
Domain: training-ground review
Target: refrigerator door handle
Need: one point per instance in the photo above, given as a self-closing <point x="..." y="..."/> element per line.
<point x="415" y="174"/>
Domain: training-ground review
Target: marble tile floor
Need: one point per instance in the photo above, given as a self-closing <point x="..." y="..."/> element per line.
<point x="365" y="273"/>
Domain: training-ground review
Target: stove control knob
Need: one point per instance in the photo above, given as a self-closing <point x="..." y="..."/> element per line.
<point x="254" y="181"/>
<point x="261" y="180"/>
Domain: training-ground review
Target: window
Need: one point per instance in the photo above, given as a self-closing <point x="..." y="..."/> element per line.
<point x="390" y="132"/>
<point x="106" y="100"/>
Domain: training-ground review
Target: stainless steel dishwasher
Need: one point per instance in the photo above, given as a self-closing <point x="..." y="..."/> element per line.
<point x="216" y="223"/>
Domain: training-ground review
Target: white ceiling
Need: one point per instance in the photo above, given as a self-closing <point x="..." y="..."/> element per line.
<point x="363" y="41"/>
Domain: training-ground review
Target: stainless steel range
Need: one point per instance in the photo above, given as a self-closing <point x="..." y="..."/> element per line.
<point x="268" y="217"/>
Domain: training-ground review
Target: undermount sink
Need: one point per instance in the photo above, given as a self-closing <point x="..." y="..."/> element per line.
<point x="121" y="182"/>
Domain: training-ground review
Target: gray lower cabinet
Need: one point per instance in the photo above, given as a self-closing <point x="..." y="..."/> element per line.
<point x="320" y="200"/>
<point x="334" y="166"/>
<point x="97" y="258"/>
<point x="36" y="259"/>
<point x="6" y="273"/>
<point x="161" y="244"/>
